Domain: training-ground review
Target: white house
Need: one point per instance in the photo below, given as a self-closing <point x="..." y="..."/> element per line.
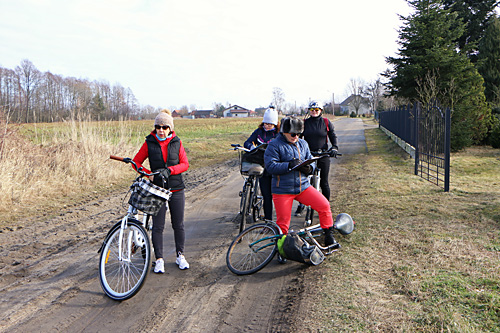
<point x="237" y="111"/>
<point x="349" y="105"/>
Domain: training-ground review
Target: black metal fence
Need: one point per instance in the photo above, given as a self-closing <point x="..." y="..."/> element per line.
<point x="427" y="132"/>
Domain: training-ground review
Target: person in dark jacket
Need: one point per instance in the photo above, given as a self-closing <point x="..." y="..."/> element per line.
<point x="317" y="132"/>
<point x="165" y="152"/>
<point x="281" y="156"/>
<point x="267" y="130"/>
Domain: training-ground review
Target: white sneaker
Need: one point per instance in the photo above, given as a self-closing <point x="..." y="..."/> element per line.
<point x="181" y="261"/>
<point x="159" y="266"/>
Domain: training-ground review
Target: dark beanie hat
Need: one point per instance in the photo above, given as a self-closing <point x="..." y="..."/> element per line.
<point x="292" y="125"/>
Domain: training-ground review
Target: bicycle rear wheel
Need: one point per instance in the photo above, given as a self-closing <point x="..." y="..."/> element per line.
<point x="252" y="249"/>
<point x="122" y="276"/>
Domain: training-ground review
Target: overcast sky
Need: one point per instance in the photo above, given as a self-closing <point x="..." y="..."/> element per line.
<point x="198" y="52"/>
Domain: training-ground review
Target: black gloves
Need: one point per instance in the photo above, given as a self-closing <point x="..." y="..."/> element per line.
<point x="334" y="152"/>
<point x="306" y="169"/>
<point x="163" y="176"/>
<point x="293" y="163"/>
<point x="165" y="173"/>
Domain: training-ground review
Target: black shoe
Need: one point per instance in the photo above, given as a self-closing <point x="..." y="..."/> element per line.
<point x="300" y="209"/>
<point x="329" y="240"/>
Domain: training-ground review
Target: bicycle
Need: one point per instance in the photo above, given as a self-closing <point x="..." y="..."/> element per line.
<point x="251" y="168"/>
<point x="125" y="254"/>
<point x="315" y="181"/>
<point x="256" y="246"/>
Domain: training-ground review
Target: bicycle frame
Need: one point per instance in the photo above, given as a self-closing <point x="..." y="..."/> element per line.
<point x="249" y="201"/>
<point x="131" y="212"/>
<point x="310" y="233"/>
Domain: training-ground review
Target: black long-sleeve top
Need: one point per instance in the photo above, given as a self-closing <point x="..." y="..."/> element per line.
<point x="316" y="134"/>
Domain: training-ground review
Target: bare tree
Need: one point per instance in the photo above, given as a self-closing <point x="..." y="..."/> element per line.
<point x="375" y="92"/>
<point x="427" y="87"/>
<point x="356" y="88"/>
<point x="29" y="77"/>
<point x="278" y="99"/>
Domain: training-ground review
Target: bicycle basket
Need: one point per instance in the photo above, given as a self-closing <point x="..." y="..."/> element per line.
<point x="148" y="197"/>
<point x="252" y="162"/>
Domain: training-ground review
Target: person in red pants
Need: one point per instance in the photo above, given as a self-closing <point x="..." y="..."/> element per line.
<point x="284" y="153"/>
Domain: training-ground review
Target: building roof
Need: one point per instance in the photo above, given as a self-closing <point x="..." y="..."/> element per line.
<point x="236" y="107"/>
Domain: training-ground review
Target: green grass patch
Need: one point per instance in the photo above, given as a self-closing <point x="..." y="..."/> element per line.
<point x="420" y="259"/>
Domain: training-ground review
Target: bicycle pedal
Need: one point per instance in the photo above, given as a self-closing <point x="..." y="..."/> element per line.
<point x="333" y="248"/>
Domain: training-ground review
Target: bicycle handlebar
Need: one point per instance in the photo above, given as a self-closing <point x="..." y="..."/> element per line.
<point x="325" y="153"/>
<point x="238" y="147"/>
<point x="129" y="160"/>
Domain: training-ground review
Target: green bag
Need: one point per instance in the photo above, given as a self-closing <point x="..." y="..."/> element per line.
<point x="295" y="248"/>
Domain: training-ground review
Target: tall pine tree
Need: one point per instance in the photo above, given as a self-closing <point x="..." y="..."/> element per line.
<point x="489" y="61"/>
<point x="475" y="14"/>
<point x="428" y="60"/>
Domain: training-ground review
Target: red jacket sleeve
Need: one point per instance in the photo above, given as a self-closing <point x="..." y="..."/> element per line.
<point x="183" y="162"/>
<point x="141" y="156"/>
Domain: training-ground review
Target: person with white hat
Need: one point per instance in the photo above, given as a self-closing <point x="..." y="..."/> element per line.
<point x="267" y="130"/>
<point x="165" y="152"/>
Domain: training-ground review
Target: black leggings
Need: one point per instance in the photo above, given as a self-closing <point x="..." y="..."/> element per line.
<point x="176" y="207"/>
<point x="324" y="165"/>
<point x="265" y="189"/>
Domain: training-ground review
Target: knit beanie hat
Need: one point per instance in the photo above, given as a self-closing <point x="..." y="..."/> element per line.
<point x="165" y="118"/>
<point x="271" y="116"/>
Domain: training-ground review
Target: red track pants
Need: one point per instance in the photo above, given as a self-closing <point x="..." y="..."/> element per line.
<point x="309" y="197"/>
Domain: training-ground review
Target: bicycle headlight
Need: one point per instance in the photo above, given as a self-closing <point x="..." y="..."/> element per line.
<point x="344" y="224"/>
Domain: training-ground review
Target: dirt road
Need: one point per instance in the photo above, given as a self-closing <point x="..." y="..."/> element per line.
<point x="49" y="268"/>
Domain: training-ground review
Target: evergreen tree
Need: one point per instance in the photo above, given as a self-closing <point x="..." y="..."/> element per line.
<point x="475" y="14"/>
<point x="428" y="61"/>
<point x="489" y="61"/>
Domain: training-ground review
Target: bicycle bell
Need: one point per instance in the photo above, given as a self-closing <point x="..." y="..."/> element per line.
<point x="344" y="223"/>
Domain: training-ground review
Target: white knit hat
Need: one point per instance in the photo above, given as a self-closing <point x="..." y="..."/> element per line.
<point x="165" y="118"/>
<point x="271" y="116"/>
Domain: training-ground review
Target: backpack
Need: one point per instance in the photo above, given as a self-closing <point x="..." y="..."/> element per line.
<point x="295" y="248"/>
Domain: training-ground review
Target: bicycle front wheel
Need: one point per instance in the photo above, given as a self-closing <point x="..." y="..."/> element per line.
<point x="252" y="249"/>
<point x="124" y="262"/>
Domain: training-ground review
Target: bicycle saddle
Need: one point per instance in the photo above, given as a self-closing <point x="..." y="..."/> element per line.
<point x="256" y="170"/>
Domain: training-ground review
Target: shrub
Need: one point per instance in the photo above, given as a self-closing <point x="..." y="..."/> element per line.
<point x="495" y="132"/>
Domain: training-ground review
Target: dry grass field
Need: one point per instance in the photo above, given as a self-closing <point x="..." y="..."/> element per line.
<point x="44" y="167"/>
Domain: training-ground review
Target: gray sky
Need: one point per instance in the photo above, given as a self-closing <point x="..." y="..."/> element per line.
<point x="198" y="52"/>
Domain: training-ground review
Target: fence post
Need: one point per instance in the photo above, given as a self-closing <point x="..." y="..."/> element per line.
<point x="447" y="140"/>
<point x="417" y="116"/>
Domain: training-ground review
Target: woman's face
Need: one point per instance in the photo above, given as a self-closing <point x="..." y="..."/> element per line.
<point x="291" y="137"/>
<point x="315" y="112"/>
<point x="162" y="130"/>
<point x="268" y="126"/>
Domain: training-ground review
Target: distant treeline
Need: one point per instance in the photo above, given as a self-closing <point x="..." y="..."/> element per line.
<point x="28" y="95"/>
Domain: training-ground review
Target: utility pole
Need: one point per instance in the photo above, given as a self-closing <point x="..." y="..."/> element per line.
<point x="333" y="103"/>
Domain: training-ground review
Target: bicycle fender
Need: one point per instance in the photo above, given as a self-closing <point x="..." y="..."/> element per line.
<point x="110" y="230"/>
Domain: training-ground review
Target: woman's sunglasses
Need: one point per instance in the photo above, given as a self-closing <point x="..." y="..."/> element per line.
<point x="164" y="127"/>
<point x="293" y="135"/>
